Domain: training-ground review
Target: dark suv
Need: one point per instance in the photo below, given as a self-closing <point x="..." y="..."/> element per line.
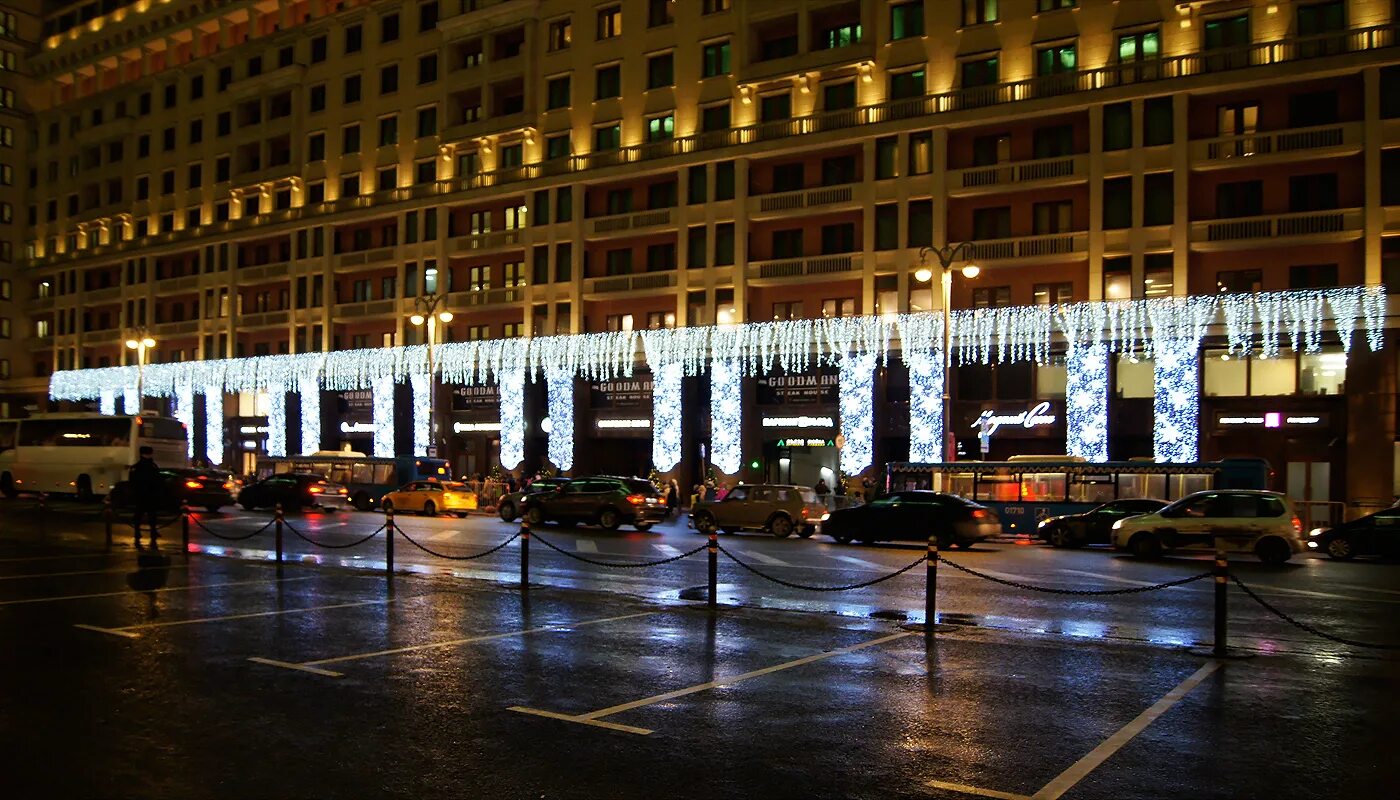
<point x="607" y="502"/>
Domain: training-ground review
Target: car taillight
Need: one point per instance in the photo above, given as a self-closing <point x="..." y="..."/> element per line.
<point x="193" y="485"/>
<point x="636" y="499"/>
<point x="341" y="490"/>
<point x="228" y="485"/>
<point x="316" y="490"/>
<point x="1297" y="525"/>
<point x="979" y="513"/>
<point x="804" y="512"/>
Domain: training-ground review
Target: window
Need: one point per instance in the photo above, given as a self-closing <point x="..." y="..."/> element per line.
<point x="351" y="89"/>
<point x="317" y="98"/>
<point x="1157" y="121"/>
<point x="1117" y="126"/>
<point x="991" y="296"/>
<point x="388" y="131"/>
<point x="388" y="79"/>
<point x="354" y="39"/>
<point x="907" y="19"/>
<point x="512" y="155"/>
<point x="608" y="82"/>
<point x="787" y="311"/>
<point x="561" y="34"/>
<point x="1140" y="46"/>
<point x="1316" y="192"/>
<point x="1055" y="60"/>
<point x="1239" y="280"/>
<point x="837" y="96"/>
<point x="714" y="6"/>
<point x="724" y="180"/>
<point x="350" y="139"/>
<point x="787" y="243"/>
<point x="618" y="262"/>
<point x="840" y="36"/>
<point x="610" y="22"/>
<point x="427" y="16"/>
<point x="427" y="68"/>
<point x="607" y="137"/>
<point x="919" y="224"/>
<point x="318" y="49"/>
<point x="556" y="146"/>
<point x="1157" y="275"/>
<point x="908" y="84"/>
<point x="1117" y="203"/>
<point x="977" y="12"/>
<point x="661" y="128"/>
<point x="661" y="257"/>
<point x="886" y="158"/>
<point x="1051" y="5"/>
<point x="1052" y="217"/>
<point x="427" y="121"/>
<point x="1053" y="294"/>
<point x="660" y="71"/>
<point x="980" y="72"/>
<point x="1159" y="205"/>
<point x="557" y="92"/>
<point x="1390" y="177"/>
<point x="714" y="118"/>
<point x="839" y="238"/>
<point x="1312" y="276"/>
<point x="775" y="107"/>
<point x="660" y="12"/>
<point x="991" y="223"/>
<point x="887" y="226"/>
<point x="388" y="28"/>
<point x="1239" y="199"/>
<point x="1118" y="278"/>
<point x="920" y="153"/>
<point x="991" y="150"/>
<point x="714" y="59"/>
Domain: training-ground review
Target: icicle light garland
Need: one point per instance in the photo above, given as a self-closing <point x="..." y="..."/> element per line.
<point x="726" y="416"/>
<point x="512" y="391"/>
<point x="131" y="404"/>
<point x="107" y="402"/>
<point x="184" y="411"/>
<point x="277" y="420"/>
<point x="214" y="424"/>
<point x="422" y="413"/>
<point x="1176" y="401"/>
<point x="309" y="391"/>
<point x="1086" y="401"/>
<point x="666" y="416"/>
<point x="857" y="395"/>
<point x="559" y="396"/>
<point x="383" y="395"/>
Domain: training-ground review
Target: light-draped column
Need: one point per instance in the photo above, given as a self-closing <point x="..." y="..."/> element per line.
<point x="184" y="412"/>
<point x="422" y="413"/>
<point x="1086" y="401"/>
<point x="309" y="391"/>
<point x="1175" y="401"/>
<point x="559" y="397"/>
<point x="925" y="406"/>
<point x="666" y="416"/>
<point x="214" y="425"/>
<point x="857" y="412"/>
<point x="726" y="416"/>
<point x="383" y="393"/>
<point x="512" y="383"/>
<point x="277" y="420"/>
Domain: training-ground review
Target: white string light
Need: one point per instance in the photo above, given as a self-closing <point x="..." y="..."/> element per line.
<point x="107" y="401"/>
<point x="512" y="392"/>
<point x="309" y="392"/>
<point x="1086" y="401"/>
<point x="559" y="396"/>
<point x="1176" y="400"/>
<point x="857" y="395"/>
<point x="726" y="416"/>
<point x="383" y="394"/>
<point x="184" y="411"/>
<point x="131" y="404"/>
<point x="422" y="413"/>
<point x="277" y="421"/>
<point x="214" y="425"/>
<point x="666" y="416"/>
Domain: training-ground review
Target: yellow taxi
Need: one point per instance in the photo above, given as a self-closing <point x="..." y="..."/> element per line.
<point x="431" y="497"/>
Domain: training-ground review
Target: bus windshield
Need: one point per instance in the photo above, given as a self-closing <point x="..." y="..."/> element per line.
<point x="109" y="432"/>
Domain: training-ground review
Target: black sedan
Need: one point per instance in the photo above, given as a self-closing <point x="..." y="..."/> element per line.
<point x="1094" y="526"/>
<point x="200" y="488"/>
<point x="913" y="516"/>
<point x="1375" y="534"/>
<point x="295" y="491"/>
<point x="510" y="505"/>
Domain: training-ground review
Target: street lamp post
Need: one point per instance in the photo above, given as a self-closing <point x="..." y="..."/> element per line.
<point x="141" y="342"/>
<point x="427" y="315"/>
<point x="948" y="255"/>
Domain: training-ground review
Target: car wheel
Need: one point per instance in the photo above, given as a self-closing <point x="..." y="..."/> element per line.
<point x="964" y="544"/>
<point x="841" y="538"/>
<point x="429" y="509"/>
<point x="806" y="531"/>
<point x="643" y="526"/>
<point x="609" y="519"/>
<point x="213" y="509"/>
<point x="705" y="523"/>
<point x="507" y="511"/>
<point x="84" y="486"/>
<point x="780" y="527"/>
<point x="1145" y="545"/>
<point x="1341" y="549"/>
<point x="535" y="516"/>
<point x="247" y="506"/>
<point x="362" y="502"/>
<point x="7" y="486"/>
<point x="1273" y="550"/>
<point x="1059" y="536"/>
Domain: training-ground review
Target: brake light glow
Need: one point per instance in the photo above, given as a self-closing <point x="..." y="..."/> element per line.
<point x="804" y="512"/>
<point x="636" y="499"/>
<point x="193" y="485"/>
<point x="1297" y="525"/>
<point x="341" y="490"/>
<point x="228" y="485"/>
<point x="316" y="490"/>
<point x="979" y="513"/>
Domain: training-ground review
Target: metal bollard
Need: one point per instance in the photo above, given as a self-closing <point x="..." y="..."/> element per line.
<point x="43" y="512"/>
<point x="389" y="541"/>
<point x="107" y="520"/>
<point x="185" y="524"/>
<point x="277" y="530"/>
<point x="524" y="554"/>
<point x="714" y="569"/>
<point x="931" y="588"/>
<point x="1222" y="585"/>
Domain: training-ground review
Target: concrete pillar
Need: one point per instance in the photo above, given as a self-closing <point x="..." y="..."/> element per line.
<point x="865" y="194"/>
<point x="1370" y="467"/>
<point x="741" y="240"/>
<point x="1096" y="172"/>
<point x="1373" y="223"/>
<point x="1181" y="192"/>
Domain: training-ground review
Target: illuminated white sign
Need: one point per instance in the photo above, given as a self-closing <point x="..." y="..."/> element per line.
<point x="357" y="427"/>
<point x="1271" y="419"/>
<point x="798" y="422"/>
<point x="1033" y="418"/>
<point x="253" y="429"/>
<point x="475" y="427"/>
<point x="77" y="436"/>
<point x="624" y="423"/>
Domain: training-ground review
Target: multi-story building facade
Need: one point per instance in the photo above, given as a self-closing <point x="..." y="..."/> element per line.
<point x="245" y="178"/>
<point x="19" y="33"/>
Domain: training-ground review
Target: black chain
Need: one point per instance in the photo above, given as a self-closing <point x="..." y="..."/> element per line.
<point x="1305" y="626"/>
<point x="139" y="522"/>
<point x="345" y="546"/>
<point x="615" y="564"/>
<point x="218" y="535"/>
<point x="432" y="552"/>
<point x="792" y="585"/>
<point x="1078" y="592"/>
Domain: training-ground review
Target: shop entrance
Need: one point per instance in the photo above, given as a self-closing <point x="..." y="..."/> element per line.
<point x="802" y="461"/>
<point x="1310" y="489"/>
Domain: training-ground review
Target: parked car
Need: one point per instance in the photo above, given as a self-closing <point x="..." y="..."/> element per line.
<point x="914" y="515"/>
<point x="779" y="509"/>
<point x="1262" y="523"/>
<point x="1096" y="525"/>
<point x="430" y="497"/>
<point x="295" y="491"/>
<point x="604" y="501"/>
<point x="510" y="505"/>
<point x="1375" y="534"/>
<point x="200" y="488"/>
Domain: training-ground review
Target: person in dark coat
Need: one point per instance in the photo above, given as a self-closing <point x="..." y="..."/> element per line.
<point x="146" y="487"/>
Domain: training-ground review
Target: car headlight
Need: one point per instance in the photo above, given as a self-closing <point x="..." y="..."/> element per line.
<point x="1119" y="524"/>
<point x="1317" y="531"/>
<point x="826" y="516"/>
<point x="1312" y="545"/>
<point x="1045" y="522"/>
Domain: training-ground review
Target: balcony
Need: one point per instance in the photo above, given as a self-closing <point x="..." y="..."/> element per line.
<point x="370" y="308"/>
<point x="802" y="63"/>
<point x="267" y="82"/>
<point x="1392" y="219"/>
<point x="1308" y="227"/>
<point x="483" y="242"/>
<point x="1051" y="247"/>
<point x="477" y="298"/>
<point x="1273" y="146"/>
<point x="40" y="304"/>
<point x="263" y="272"/>
<point x="782" y="204"/>
<point x="347" y="262"/>
<point x="111" y="294"/>
<point x="795" y="270"/>
<point x="1034" y="174"/>
<point x="487" y="16"/>
<point x="627" y="223"/>
<point x="186" y="327"/>
<point x="497" y="123"/>
<point x="40" y="343"/>
<point x="186" y="283"/>
<point x="265" y="319"/>
<point x="646" y="282"/>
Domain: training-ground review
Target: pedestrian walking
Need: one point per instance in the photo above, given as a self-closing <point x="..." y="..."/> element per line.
<point x="821" y="488"/>
<point x="673" y="497"/>
<point x="146" y="488"/>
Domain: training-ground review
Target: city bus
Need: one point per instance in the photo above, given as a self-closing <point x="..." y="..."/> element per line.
<point x="83" y="454"/>
<point x="367" y="478"/>
<point x="1027" y="489"/>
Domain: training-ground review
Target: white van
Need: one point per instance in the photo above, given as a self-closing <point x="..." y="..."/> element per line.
<point x="1262" y="523"/>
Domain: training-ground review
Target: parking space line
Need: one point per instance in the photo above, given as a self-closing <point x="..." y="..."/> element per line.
<point x="298" y="667"/>
<point x="82" y="572"/>
<point x="127" y="630"/>
<point x="185" y="588"/>
<point x="585" y="546"/>
<point x="1114" y="578"/>
<point x="976" y="791"/>
<point x="1076" y="773"/>
<point x="764" y="558"/>
<point x="594" y="717"/>
<point x="563" y="626"/>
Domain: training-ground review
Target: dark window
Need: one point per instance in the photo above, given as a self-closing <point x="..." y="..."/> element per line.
<point x="696" y="241"/>
<point x="1312" y="276"/>
<point x="1159" y="205"/>
<point x="887" y="226"/>
<point x="318" y="49"/>
<point x="388" y="79"/>
<point x="660" y="71"/>
<point x="907" y="19"/>
<point x="1307" y="109"/>
<point x="724" y="180"/>
<point x="920" y="224"/>
<point x="714" y="118"/>
<point x="1157" y="121"/>
<point x="714" y="59"/>
<point x="837" y="96"/>
<point x="1316" y="192"/>
<point x="608" y="82"/>
<point x="991" y="223"/>
<point x="389" y="28"/>
<point x="1118" y="126"/>
<point x="354" y="39"/>
<point x="981" y="72"/>
<point x="838" y="170"/>
<point x="1239" y="280"/>
<point x="775" y="107"/>
<point x="787" y="243"/>
<point x="1239" y="199"/>
<point x="557" y="92"/>
<point x="427" y="68"/>
<point x="839" y="238"/>
<point x="697" y="191"/>
<point x="904" y="85"/>
<point x="1117" y="203"/>
<point x="1390" y="177"/>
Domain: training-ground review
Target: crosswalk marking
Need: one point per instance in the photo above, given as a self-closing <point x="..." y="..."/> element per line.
<point x="585" y="546"/>
<point x="667" y="550"/>
<point x="860" y="562"/>
<point x="766" y="559"/>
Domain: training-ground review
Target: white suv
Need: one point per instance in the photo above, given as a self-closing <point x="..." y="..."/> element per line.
<point x="1262" y="523"/>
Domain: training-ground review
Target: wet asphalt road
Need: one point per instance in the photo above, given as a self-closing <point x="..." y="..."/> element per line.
<point x="229" y="681"/>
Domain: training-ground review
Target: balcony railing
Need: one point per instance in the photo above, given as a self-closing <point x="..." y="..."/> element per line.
<point x="1330" y="223"/>
<point x="176" y="328"/>
<point x="804" y="267"/>
<point x="371" y="308"/>
<point x="493" y="240"/>
<point x="264" y="319"/>
<point x="475" y="298"/>
<point x="364" y="258"/>
<point x="183" y="283"/>
<point x="795" y="201"/>
<point x="1019" y="172"/>
<point x="263" y="272"/>
<point x="620" y="223"/>
<point x="1041" y="246"/>
<point x="1228" y="148"/>
<point x="631" y="283"/>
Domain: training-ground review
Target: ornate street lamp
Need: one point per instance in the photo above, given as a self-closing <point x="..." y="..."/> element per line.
<point x="948" y="255"/>
<point x="427" y="315"/>
<point x="141" y="342"/>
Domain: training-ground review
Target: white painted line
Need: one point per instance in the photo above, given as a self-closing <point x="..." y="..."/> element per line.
<point x="763" y="559"/>
<point x="585" y="546"/>
<point x="55" y="558"/>
<point x="112" y="631"/>
<point x="859" y="562"/>
<point x="261" y="581"/>
<point x="539" y="712"/>
<point x="1114" y="578"/>
<point x="118" y="570"/>
<point x="1076" y="773"/>
<point x="962" y="788"/>
<point x="593" y="717"/>
<point x="125" y="630"/>
<point x="667" y="550"/>
<point x="298" y="667"/>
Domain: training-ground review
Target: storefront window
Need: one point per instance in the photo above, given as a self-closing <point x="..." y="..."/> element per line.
<point x="1134" y="377"/>
<point x="1226" y="376"/>
<point x="1269" y="376"/>
<point x="1322" y="373"/>
<point x="1050" y="380"/>
<point x="922" y="300"/>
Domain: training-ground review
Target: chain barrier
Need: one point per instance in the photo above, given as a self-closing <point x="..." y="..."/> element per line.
<point x="218" y="535"/>
<point x="792" y="585"/>
<point x="432" y="552"/>
<point x="1305" y="626"/>
<point x="345" y="546"/>
<point x="614" y="564"/>
<point x="1076" y="592"/>
<point x="141" y="522"/>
